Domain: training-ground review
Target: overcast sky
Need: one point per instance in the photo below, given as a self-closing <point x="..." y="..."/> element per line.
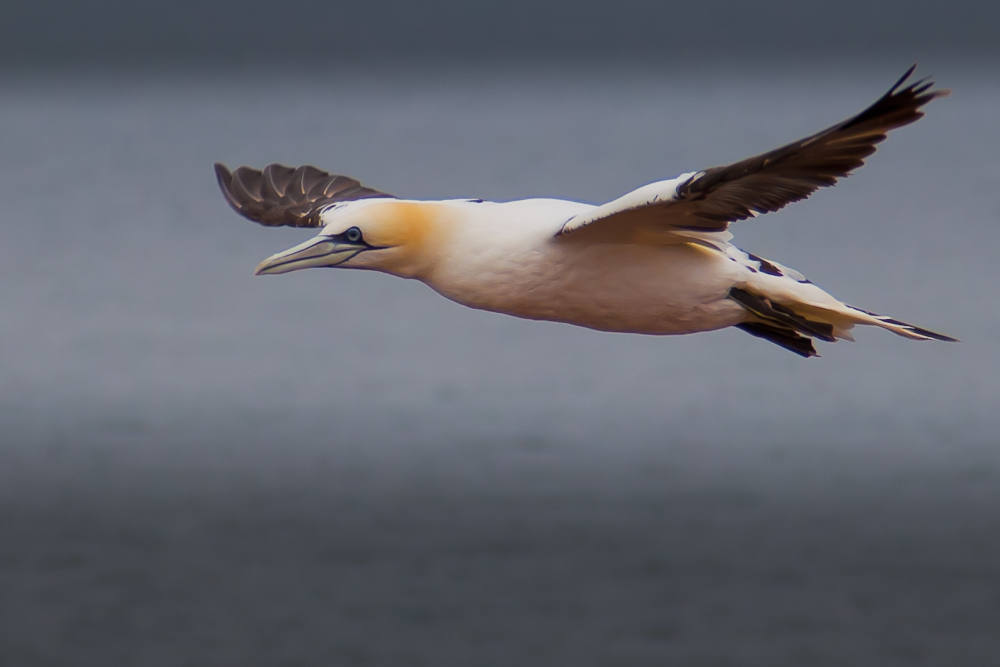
<point x="220" y="34"/>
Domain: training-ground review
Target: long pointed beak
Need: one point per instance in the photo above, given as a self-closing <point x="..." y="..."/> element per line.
<point x="318" y="251"/>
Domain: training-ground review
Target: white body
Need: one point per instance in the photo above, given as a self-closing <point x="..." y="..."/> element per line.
<point x="655" y="261"/>
<point x="506" y="258"/>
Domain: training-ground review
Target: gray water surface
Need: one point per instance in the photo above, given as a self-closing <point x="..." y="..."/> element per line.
<point x="201" y="467"/>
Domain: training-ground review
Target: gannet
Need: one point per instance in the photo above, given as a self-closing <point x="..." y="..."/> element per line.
<point x="657" y="260"/>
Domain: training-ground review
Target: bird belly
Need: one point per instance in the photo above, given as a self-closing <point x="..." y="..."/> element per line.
<point x="673" y="289"/>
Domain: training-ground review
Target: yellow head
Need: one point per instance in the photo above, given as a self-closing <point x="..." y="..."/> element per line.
<point x="398" y="237"/>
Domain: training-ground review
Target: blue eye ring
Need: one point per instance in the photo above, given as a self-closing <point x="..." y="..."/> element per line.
<point x="353" y="235"/>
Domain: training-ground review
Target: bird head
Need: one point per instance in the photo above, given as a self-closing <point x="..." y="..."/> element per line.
<point x="393" y="236"/>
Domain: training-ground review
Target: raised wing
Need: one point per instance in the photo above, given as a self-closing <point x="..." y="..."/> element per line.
<point x="708" y="201"/>
<point x="280" y="196"/>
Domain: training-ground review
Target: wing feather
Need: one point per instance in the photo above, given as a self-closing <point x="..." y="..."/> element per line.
<point x="709" y="200"/>
<point x="279" y="195"/>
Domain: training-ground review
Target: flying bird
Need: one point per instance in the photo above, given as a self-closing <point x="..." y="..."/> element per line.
<point x="657" y="260"/>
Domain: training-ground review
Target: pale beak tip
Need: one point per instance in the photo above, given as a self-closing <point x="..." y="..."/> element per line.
<point x="269" y="266"/>
<point x="318" y="251"/>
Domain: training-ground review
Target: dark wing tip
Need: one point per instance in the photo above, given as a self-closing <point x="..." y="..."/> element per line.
<point x="279" y="195"/>
<point x="222" y="172"/>
<point x="924" y="84"/>
<point x="769" y="181"/>
<point x="900" y="106"/>
<point x="902" y="79"/>
<point x="225" y="178"/>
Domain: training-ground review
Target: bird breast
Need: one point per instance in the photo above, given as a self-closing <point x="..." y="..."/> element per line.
<point x="607" y="286"/>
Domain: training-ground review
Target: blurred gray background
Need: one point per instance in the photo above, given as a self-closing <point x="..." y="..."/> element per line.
<point x="200" y="467"/>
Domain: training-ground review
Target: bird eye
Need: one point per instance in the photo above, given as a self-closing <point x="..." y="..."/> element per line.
<point x="353" y="234"/>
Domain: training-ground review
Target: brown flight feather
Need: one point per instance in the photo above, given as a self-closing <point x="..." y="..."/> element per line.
<point x="769" y="181"/>
<point x="281" y="196"/>
<point x="711" y="199"/>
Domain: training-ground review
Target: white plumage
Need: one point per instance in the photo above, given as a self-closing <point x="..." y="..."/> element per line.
<point x="657" y="260"/>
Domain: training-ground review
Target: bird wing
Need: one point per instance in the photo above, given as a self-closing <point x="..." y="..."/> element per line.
<point x="281" y="196"/>
<point x="706" y="202"/>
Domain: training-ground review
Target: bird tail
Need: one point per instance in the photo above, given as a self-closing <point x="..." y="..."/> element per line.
<point x="900" y="328"/>
<point x="795" y="314"/>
